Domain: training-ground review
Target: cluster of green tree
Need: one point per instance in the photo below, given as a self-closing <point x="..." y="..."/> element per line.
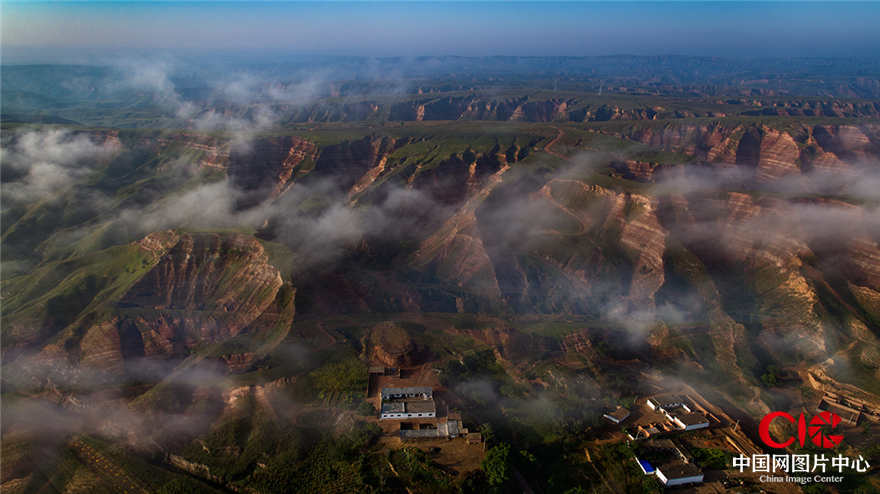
<point x="341" y="464"/>
<point x="614" y="464"/>
<point x="537" y="434"/>
<point x="497" y="466"/>
<point x="484" y="372"/>
<point x="475" y="365"/>
<point x="342" y="382"/>
<point x="252" y="451"/>
<point x="236" y="448"/>
<point x="712" y="458"/>
<point x="415" y="468"/>
<point x="770" y="378"/>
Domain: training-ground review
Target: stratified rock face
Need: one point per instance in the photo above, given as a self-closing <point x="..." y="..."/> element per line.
<point x="813" y="157"/>
<point x="204" y="288"/>
<point x="157" y="244"/>
<point x="447" y="240"/>
<point x="476" y="108"/>
<point x="846" y="141"/>
<point x="572" y="247"/>
<point x="213" y="152"/>
<point x="267" y="165"/>
<point x="643" y="236"/>
<point x="773" y="154"/>
<point x="350" y="161"/>
<point x="101" y="347"/>
<point x="712" y="142"/>
<point x="456" y="252"/>
<point x="778" y="156"/>
<point x="759" y="271"/>
<point x="524" y="108"/>
<point x="863" y="262"/>
<point x="558" y="244"/>
<point x="635" y="170"/>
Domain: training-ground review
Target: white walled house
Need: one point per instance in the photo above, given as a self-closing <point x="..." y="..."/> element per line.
<point x="677" y="411"/>
<point x="679" y="474"/>
<point x="407" y="403"/>
<point x="690" y="421"/>
<point x="617" y="416"/>
<point x="423" y="392"/>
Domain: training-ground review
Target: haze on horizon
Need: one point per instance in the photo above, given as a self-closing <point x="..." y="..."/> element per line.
<point x="83" y="32"/>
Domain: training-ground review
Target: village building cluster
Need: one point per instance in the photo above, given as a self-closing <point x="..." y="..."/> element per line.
<point x="851" y="410"/>
<point x="663" y="416"/>
<point x="679" y="413"/>
<point x="663" y="459"/>
<point x="415" y="411"/>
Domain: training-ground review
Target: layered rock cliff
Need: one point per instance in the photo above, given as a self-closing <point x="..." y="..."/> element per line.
<point x="581" y="108"/>
<point x="769" y="153"/>
<point x="204" y="288"/>
<point x="266" y="166"/>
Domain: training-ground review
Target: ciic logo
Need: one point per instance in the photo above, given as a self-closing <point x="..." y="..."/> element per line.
<point x="815" y="431"/>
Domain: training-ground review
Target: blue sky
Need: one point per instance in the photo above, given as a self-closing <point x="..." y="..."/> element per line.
<point x="82" y="29"/>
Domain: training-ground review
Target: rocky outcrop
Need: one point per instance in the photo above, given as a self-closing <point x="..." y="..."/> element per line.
<point x="206" y="287"/>
<point x="455" y="252"/>
<point x="101" y="347"/>
<point x="863" y="262"/>
<point x="353" y="165"/>
<point x="478" y="108"/>
<point x="868" y="299"/>
<point x="712" y="142"/>
<point x="525" y="108"/>
<point x="264" y="334"/>
<point x="643" y="236"/>
<point x="612" y="254"/>
<point x="390" y="345"/>
<point x="635" y="170"/>
<point x="847" y="142"/>
<point x="157" y="244"/>
<point x="266" y="165"/>
<point x="210" y="152"/>
<point x="772" y="153"/>
<point x="734" y="235"/>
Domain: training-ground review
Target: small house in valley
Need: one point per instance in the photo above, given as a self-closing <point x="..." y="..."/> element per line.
<point x="407" y="403"/>
<point x="617" y="416"/>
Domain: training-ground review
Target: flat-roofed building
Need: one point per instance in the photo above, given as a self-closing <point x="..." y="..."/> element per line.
<point x="690" y="421"/>
<point x="617" y="416"/>
<point x="423" y="392"/>
<point x="450" y="429"/>
<point x="666" y="404"/>
<point x="679" y="411"/>
<point x="646" y="466"/>
<point x="407" y="403"/>
<point x="678" y="473"/>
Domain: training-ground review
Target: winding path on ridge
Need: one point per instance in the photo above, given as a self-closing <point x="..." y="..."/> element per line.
<point x="549" y="146"/>
<point x="547" y="194"/>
